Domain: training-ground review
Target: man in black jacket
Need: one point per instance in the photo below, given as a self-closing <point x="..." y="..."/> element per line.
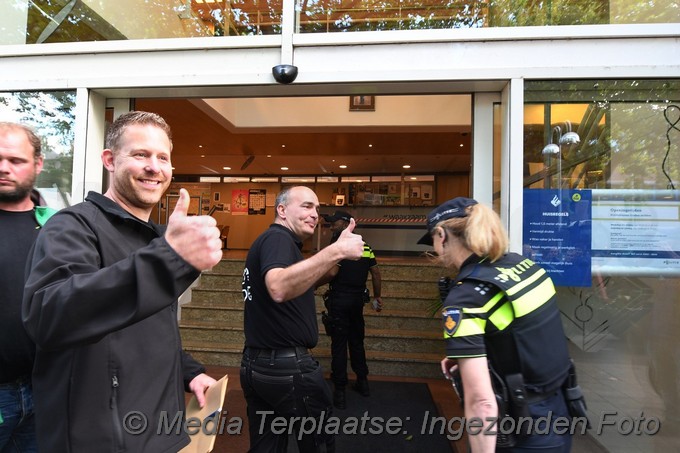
<point x="100" y="302"/>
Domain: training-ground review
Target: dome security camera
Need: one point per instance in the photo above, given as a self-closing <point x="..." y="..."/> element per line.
<point x="285" y="73"/>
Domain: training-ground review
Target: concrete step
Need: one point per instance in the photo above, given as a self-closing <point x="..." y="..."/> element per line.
<point x="418" y="268"/>
<point x="234" y="298"/>
<point x="376" y="339"/>
<point x="387" y="319"/>
<point x="380" y="363"/>
<point x="230" y="266"/>
<point x="390" y="287"/>
<point x="402" y="340"/>
<point x="218" y="297"/>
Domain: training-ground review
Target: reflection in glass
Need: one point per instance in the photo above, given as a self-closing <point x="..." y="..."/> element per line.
<point x="45" y="21"/>
<point x="323" y="16"/>
<point x="622" y="126"/>
<point x="52" y="115"/>
<point x="625" y="326"/>
<point x="38" y="21"/>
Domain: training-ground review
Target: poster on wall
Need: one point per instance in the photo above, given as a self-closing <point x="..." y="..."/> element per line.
<point x="557" y="233"/>
<point x="635" y="232"/>
<point x="257" y="201"/>
<point x="239" y="202"/>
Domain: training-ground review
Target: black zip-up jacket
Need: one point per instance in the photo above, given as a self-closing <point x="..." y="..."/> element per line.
<point x="100" y="302"/>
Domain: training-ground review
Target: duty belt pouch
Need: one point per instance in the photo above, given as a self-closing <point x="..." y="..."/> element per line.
<point x="327" y="323"/>
<point x="576" y="402"/>
<point x="504" y="438"/>
<point x="366" y="296"/>
<point x="326" y="319"/>
<point x="518" y="396"/>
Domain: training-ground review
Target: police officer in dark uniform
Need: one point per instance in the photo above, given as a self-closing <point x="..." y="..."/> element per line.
<point x="500" y="320"/>
<point x="279" y="376"/>
<point x="345" y="303"/>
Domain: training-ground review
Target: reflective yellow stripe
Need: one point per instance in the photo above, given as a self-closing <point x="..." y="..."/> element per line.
<point x="469" y="326"/>
<point x="487" y="306"/>
<point x="534" y="298"/>
<point x="523" y="284"/>
<point x="368" y="253"/>
<point x="503" y="316"/>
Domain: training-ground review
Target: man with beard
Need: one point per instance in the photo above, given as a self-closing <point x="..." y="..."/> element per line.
<point x="101" y="304"/>
<point x="20" y="221"/>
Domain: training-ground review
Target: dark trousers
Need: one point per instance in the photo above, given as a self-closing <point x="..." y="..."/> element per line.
<point x="347" y="312"/>
<point x="17" y="430"/>
<point x="285" y="383"/>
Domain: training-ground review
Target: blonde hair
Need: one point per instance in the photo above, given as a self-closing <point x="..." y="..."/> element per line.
<point x="481" y="231"/>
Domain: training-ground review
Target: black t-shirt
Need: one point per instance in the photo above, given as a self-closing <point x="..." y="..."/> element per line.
<point x="18" y="231"/>
<point x="268" y="324"/>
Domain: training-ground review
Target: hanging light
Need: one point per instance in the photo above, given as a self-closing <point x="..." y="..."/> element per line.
<point x="553" y="149"/>
<point x="569" y="137"/>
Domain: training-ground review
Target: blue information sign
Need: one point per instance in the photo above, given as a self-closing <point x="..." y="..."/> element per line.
<point x="558" y="233"/>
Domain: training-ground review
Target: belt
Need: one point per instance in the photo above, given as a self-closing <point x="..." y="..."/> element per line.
<point x="274" y="353"/>
<point x="532" y="397"/>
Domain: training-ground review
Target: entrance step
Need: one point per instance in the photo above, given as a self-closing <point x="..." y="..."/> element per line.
<point x="404" y="339"/>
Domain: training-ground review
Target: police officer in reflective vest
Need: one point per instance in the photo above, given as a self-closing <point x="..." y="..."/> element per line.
<point x="500" y="320"/>
<point x="345" y="303"/>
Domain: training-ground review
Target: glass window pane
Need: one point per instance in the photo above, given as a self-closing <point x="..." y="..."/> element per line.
<point x="327" y="16"/>
<point x="614" y="143"/>
<point x="39" y="21"/>
<point x="52" y="115"/>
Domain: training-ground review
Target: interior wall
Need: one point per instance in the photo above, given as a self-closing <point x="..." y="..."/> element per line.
<point x="244" y="229"/>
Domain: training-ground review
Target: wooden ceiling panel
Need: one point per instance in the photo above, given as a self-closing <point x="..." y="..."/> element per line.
<point x="203" y="147"/>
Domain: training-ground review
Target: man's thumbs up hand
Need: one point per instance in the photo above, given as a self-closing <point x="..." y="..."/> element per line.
<point x="194" y="238"/>
<point x="351" y="245"/>
<point x="182" y="206"/>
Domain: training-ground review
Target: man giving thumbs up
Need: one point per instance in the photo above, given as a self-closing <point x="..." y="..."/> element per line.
<point x="100" y="302"/>
<point x="279" y="376"/>
<point x="195" y="238"/>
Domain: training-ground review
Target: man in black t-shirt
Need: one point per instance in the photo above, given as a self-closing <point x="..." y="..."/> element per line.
<point x="279" y="376"/>
<point x="21" y="218"/>
<point x="345" y="304"/>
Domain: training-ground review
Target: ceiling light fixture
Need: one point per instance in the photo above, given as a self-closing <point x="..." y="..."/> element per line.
<point x="406" y="166"/>
<point x="343" y="166"/>
<point x="284" y="168"/>
<point x="226" y="168"/>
